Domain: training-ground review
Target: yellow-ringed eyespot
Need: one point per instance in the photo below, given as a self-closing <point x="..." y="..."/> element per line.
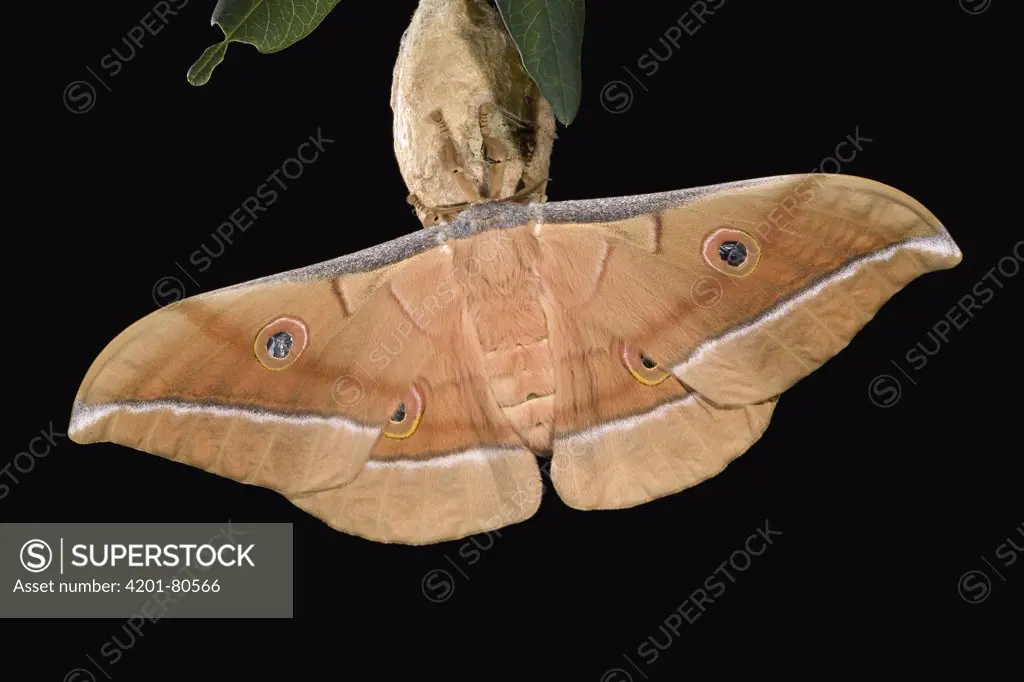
<point x="731" y="251"/>
<point x="281" y="342"/>
<point x="643" y="368"/>
<point x="406" y="418"/>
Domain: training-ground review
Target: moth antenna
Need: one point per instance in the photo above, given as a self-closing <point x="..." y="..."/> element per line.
<point x="450" y="159"/>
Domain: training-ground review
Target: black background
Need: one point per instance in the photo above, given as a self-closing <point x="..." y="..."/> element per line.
<point x="881" y="510"/>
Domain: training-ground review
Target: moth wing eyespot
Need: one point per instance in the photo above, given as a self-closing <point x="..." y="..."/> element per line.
<point x="281" y="342"/>
<point x="732" y="252"/>
<point x="279" y="345"/>
<point x="406" y="418"/>
<point x="643" y="368"/>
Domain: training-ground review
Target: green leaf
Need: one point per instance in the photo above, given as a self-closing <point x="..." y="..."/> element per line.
<point x="268" y="25"/>
<point x="549" y="35"/>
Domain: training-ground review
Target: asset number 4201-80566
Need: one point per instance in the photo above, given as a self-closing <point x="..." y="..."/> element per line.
<point x="176" y="585"/>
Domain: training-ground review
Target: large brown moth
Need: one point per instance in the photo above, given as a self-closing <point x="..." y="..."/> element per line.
<point x="401" y="393"/>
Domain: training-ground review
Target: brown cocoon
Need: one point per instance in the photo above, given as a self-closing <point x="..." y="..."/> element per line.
<point x="459" y="78"/>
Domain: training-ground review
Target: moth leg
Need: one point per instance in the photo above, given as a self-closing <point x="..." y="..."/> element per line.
<point x="430" y="217"/>
<point x="495" y="152"/>
<point x="450" y="159"/>
<point x="532" y="183"/>
<point x="528" y="181"/>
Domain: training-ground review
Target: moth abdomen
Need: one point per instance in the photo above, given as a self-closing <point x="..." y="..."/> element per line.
<point x="523" y="382"/>
<point x="503" y="295"/>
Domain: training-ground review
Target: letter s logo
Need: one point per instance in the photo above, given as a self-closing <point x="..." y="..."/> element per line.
<point x="36" y="556"/>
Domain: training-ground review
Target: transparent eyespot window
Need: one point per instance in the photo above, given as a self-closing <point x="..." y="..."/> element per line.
<point x="405" y="418"/>
<point x="732" y="252"/>
<point x="281" y="343"/>
<point x="642" y="366"/>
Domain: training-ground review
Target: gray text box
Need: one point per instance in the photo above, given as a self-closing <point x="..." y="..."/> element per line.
<point x="146" y="570"/>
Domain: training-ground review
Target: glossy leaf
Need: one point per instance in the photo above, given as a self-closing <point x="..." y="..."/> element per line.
<point x="549" y="35"/>
<point x="268" y="25"/>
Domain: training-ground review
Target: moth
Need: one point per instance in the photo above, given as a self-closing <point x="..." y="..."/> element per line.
<point x="402" y="393"/>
